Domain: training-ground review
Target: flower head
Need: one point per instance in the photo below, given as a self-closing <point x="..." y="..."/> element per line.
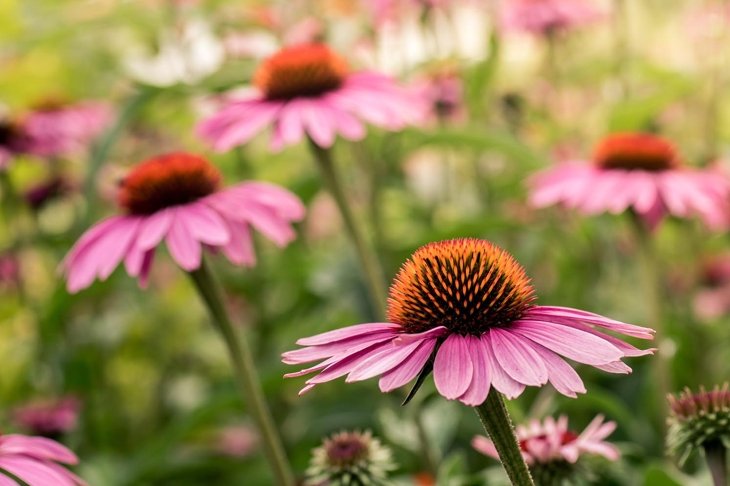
<point x="177" y="197"/>
<point x="552" y="450"/>
<point x="58" y="129"/>
<point x="636" y="171"/>
<point x="698" y="419"/>
<point x="48" y="418"/>
<point x="465" y="308"/>
<point x="308" y="89"/>
<point x="349" y="458"/>
<point x="548" y="16"/>
<point x="35" y="461"/>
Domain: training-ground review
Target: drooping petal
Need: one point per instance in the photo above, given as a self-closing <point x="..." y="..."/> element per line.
<point x="481" y="380"/>
<point x="346" y="333"/>
<point x="517" y="357"/>
<point x="571" y="343"/>
<point x="408" y="368"/>
<point x="184" y="248"/>
<point x="452" y="369"/>
<point x="562" y="376"/>
<point x="500" y="379"/>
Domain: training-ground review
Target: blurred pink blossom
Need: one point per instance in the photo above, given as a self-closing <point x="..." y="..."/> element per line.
<point x="48" y="418"/>
<point x="548" y="16"/>
<point x="551" y="440"/>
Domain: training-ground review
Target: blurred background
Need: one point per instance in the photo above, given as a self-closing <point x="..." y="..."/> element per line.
<point x="138" y="384"/>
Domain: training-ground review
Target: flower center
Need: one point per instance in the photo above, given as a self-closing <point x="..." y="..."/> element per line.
<point x="346" y="450"/>
<point x="301" y="70"/>
<point x="167" y="180"/>
<point x="467" y="285"/>
<point x="635" y="151"/>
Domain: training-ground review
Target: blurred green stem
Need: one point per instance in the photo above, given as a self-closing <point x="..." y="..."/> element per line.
<point x="652" y="291"/>
<point x="101" y="151"/>
<point x="716" y="457"/>
<point x="245" y="373"/>
<point x="367" y="257"/>
<point x="496" y="421"/>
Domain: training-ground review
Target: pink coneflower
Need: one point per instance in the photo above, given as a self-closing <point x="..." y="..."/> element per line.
<point x="237" y="440"/>
<point x="10" y="275"/>
<point x="636" y="171"/>
<point x="56" y="129"/>
<point x="177" y="197"/>
<point x="552" y="450"/>
<point x="548" y="16"/>
<point x="465" y="307"/>
<point x="35" y="461"/>
<point x="48" y="418"/>
<point x="712" y="300"/>
<point x="551" y="440"/>
<point x="308" y="90"/>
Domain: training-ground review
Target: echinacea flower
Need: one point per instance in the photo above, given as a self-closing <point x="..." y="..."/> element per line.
<point x="552" y="450"/>
<point x="548" y="16"/>
<point x="699" y="420"/>
<point x="177" y="197"/>
<point x="640" y="172"/>
<point x="48" y="418"/>
<point x="308" y="90"/>
<point x="465" y="308"/>
<point x="349" y="458"/>
<point x="712" y="300"/>
<point x="36" y="461"/>
<point x="58" y="129"/>
<point x="10" y="275"/>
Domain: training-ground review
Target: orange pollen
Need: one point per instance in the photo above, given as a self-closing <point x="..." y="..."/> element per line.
<point x="300" y="71"/>
<point x="636" y="151"/>
<point x="467" y="285"/>
<point x="167" y="180"/>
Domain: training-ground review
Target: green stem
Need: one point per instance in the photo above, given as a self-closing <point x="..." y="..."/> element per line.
<point x="496" y="421"/>
<point x="245" y="373"/>
<point x="652" y="291"/>
<point x="101" y="151"/>
<point x="716" y="457"/>
<point x="368" y="259"/>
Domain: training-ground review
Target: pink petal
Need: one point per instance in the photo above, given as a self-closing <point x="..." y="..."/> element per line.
<point x="500" y="379"/>
<point x="408" y="368"/>
<point x="347" y="332"/>
<point x="185" y="249"/>
<point x="34" y="472"/>
<point x="562" y="376"/>
<point x="204" y="224"/>
<point x="453" y="369"/>
<point x="517" y="357"/>
<point x="571" y="343"/>
<point x="382" y="362"/>
<point x="154" y="228"/>
<point x="477" y="392"/>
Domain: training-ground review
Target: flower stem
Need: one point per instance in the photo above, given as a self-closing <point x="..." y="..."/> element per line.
<point x="496" y="421"/>
<point x="368" y="259"/>
<point x="716" y="457"/>
<point x="245" y="373"/>
<point x="652" y="283"/>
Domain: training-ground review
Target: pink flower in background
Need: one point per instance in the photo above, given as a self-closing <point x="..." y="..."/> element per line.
<point x="465" y="307"/>
<point x="443" y="92"/>
<point x="638" y="172"/>
<point x="237" y="440"/>
<point x="48" y="418"/>
<point x="10" y="278"/>
<point x="35" y="461"/>
<point x="546" y="16"/>
<point x="551" y="441"/>
<point x="60" y="130"/>
<point x="712" y="300"/>
<point x="176" y="197"/>
<point x="308" y="91"/>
